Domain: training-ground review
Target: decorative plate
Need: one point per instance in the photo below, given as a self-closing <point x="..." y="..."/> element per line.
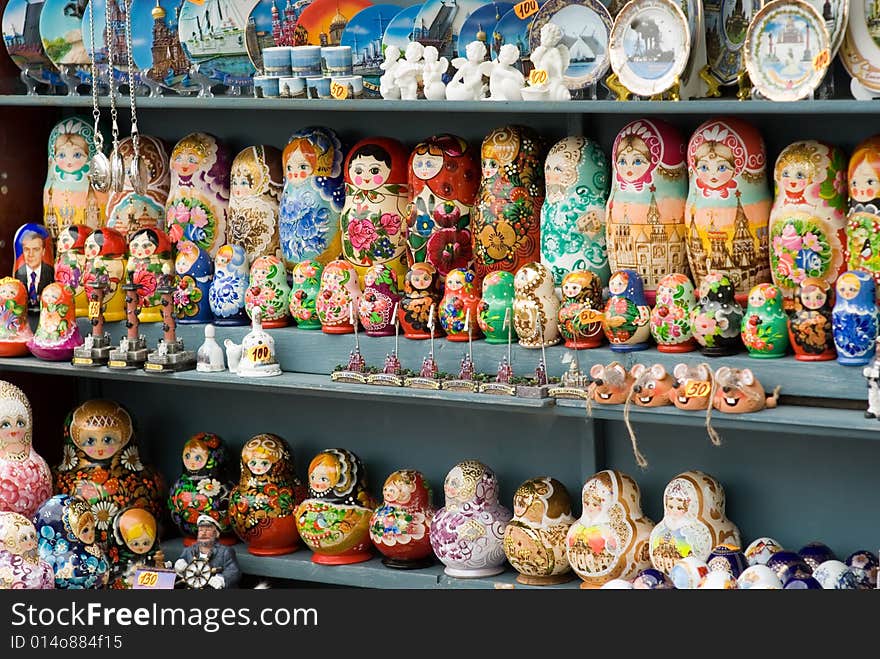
<point x="726" y="25"/>
<point x="61" y="26"/>
<point x="21" y="35"/>
<point x="364" y="34"/>
<point x="272" y="23"/>
<point x="102" y="53"/>
<point x="213" y="36"/>
<point x="323" y="21"/>
<point x="586" y="26"/>
<point x="155" y="44"/>
<point x="513" y="29"/>
<point x="439" y="24"/>
<point x="400" y="29"/>
<point x="860" y="51"/>
<point x="693" y="10"/>
<point x="479" y="23"/>
<point x="787" y="50"/>
<point x="835" y="14"/>
<point x="650" y="46"/>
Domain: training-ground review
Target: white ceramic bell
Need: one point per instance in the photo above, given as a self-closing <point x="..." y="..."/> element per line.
<point x="255" y="357"/>
<point x="209" y="358"/>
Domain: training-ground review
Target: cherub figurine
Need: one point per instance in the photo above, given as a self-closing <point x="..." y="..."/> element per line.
<point x="505" y="80"/>
<point x="408" y="72"/>
<point x="467" y="83"/>
<point x="387" y="85"/>
<point x="553" y="58"/>
<point x="433" y="68"/>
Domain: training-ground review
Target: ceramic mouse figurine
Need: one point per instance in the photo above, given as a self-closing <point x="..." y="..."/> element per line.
<point x="400" y="527"/>
<point x="854" y="318"/>
<point x="809" y="323"/>
<point x="535" y="307"/>
<point x="255" y="191"/>
<point x="717" y="318"/>
<point x="691" y="387"/>
<point x="611" y="384"/>
<point x="70" y="263"/>
<point x="627" y="314"/>
<point x="15" y="332"/>
<point x="737" y="391"/>
<point x="21" y="567"/>
<point x="651" y="385"/>
<point x="765" y="326"/>
<point x="671" y="315"/>
<point x="228" y="289"/>
<point x="582" y="310"/>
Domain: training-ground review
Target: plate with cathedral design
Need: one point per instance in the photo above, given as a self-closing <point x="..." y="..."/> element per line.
<point x="21" y="35"/>
<point x="271" y="24"/>
<point x="439" y="23"/>
<point x="726" y="24"/>
<point x="323" y="22"/>
<point x="478" y="25"/>
<point x="860" y="52"/>
<point x="156" y="48"/>
<point x="213" y="36"/>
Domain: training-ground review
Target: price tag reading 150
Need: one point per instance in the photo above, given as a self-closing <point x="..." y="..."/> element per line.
<point x="697" y="388"/>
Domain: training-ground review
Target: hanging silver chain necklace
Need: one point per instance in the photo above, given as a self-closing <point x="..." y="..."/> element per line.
<point x="138" y="173"/>
<point x="99" y="167"/>
<point x="117" y="167"/>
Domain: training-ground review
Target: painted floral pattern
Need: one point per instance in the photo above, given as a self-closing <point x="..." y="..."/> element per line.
<point x="670" y="318"/>
<point x="268" y="289"/>
<point x="799" y="248"/>
<point x="863" y="243"/>
<point x="304" y="293"/>
<point x="187" y="297"/>
<point x="192" y="219"/>
<point x="372" y="234"/>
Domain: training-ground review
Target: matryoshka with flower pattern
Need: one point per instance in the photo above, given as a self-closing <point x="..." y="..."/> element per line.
<point x="400" y="527"/>
<point x="863" y="220"/>
<point x="268" y="290"/>
<point x="460" y="298"/>
<point x="149" y="249"/>
<point x="21" y="567"/>
<point x="70" y="263"/>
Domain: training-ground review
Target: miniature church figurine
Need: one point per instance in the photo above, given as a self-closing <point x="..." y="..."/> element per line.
<point x="433" y="68"/>
<point x="505" y="79"/>
<point x="429" y="367"/>
<point x="209" y="358"/>
<point x="407" y="73"/>
<point x="552" y="57"/>
<point x="505" y="372"/>
<point x="467" y="83"/>
<point x="387" y="84"/>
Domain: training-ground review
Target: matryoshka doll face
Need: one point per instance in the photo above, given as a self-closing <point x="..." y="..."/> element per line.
<point x="813" y="297"/>
<point x="142" y="245"/>
<point x="596" y="497"/>
<point x="864" y="171"/>
<point x="455" y="281"/>
<point x="399" y="488"/>
<point x="195" y="457"/>
<point x="370" y="167"/>
<point x="848" y="286"/>
<point x="427" y="165"/>
<point x="714" y="165"/>
<point x="757" y="298"/>
<point x="71" y="153"/>
<point x="259" y="459"/>
<point x="66" y="240"/>
<point x="618" y="283"/>
<point x="241" y="181"/>
<point x="421" y="278"/>
<point x="323" y="473"/>
<point x="571" y="289"/>
<point x="138" y="530"/>
<point x="85" y="529"/>
<point x="186" y="160"/>
<point x="27" y="539"/>
<point x="795" y="176"/>
<point x="187" y="255"/>
<point x="15" y="427"/>
<point x="490" y="167"/>
<point x="461" y="482"/>
<point x="52" y="294"/>
<point x="300" y="163"/>
<point x="100" y="429"/>
<point x="633" y="159"/>
<point x="224" y="256"/>
<point x="8" y="289"/>
<point x="93" y="247"/>
<point x="260" y="271"/>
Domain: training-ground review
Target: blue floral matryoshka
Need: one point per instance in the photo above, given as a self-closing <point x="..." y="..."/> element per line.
<point x="627" y="314"/>
<point x="226" y="294"/>
<point x="854" y="318"/>
<point x="66" y="534"/>
<point x="195" y="270"/>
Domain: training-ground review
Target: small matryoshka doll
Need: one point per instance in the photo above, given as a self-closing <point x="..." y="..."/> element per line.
<point x="422" y="292"/>
<point x="400" y="527"/>
<point x="304" y="288"/>
<point x="373" y="224"/>
<point x="467" y="534"/>
<point x="671" y="315"/>
<point x="627" y="314"/>
<point x="863" y="220"/>
<point x="573" y="214"/>
<point x="228" y="289"/>
<point x="338" y="298"/>
<point x="70" y="543"/>
<point x="127" y="210"/>
<point x="535" y="307"/>
<point x="380" y="298"/>
<point x="610" y="540"/>
<point x="25" y="480"/>
<point x="854" y="319"/>
<point x="459" y="298"/>
<point x="764" y="326"/>
<point x="507" y="219"/>
<point x="582" y="310"/>
<point x="693" y="523"/>
<point x="645" y="212"/>
<point x="149" y="250"/>
<point x="15" y="332"/>
<point x="105" y="251"/>
<point x="262" y="507"/>
<point x="268" y="289"/>
<point x="21" y="567"/>
<point x="34" y="264"/>
<point x="444" y="177"/>
<point x="496" y="307"/>
<point x="534" y="540"/>
<point x="70" y="263"/>
<point x="717" y="318"/>
<point x="57" y="333"/>
<point x="312" y="198"/>
<point x="809" y="324"/>
<point x="195" y="270"/>
<point x="198" y="201"/>
<point x="255" y="189"/>
<point x="334" y="521"/>
<point x="135" y="544"/>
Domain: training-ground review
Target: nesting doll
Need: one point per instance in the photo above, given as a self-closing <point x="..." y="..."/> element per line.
<point x="421" y="294"/>
<point x="57" y="333"/>
<point x="203" y="488"/>
<point x="467" y="534"/>
<point x="728" y="208"/>
<point x="764" y="326"/>
<point x="809" y="324"/>
<point x="573" y="214"/>
<point x="645" y="211"/>
<point x="627" y="315"/>
<point x="25" y="480"/>
<point x="129" y="211"/>
<point x="507" y="219"/>
<point x="444" y="177"/>
<point x="459" y="298"/>
<point x="34" y="264"/>
<point x="808" y="217"/>
<point x="69" y="541"/>
<point x="312" y="198"/>
<point x="195" y="270"/>
<point x="255" y="190"/>
<point x="105" y="251"/>
<point x="535" y="307"/>
<point x="610" y="540"/>
<point x="304" y="288"/>
<point x="338" y="298"/>
<point x="671" y="315"/>
<point x="379" y="302"/>
<point x="135" y="544"/>
<point x="863" y="220"/>
<point x="15" y="332"/>
<point x="149" y="250"/>
<point x="70" y="263"/>
<point x="693" y="523"/>
<point x="198" y="200"/>
<point x="582" y="310"/>
<point x="372" y="224"/>
<point x="101" y="463"/>
<point x="854" y="318"/>
<point x="717" y="318"/>
<point x="534" y="540"/>
<point x="268" y="289"/>
<point x="262" y="506"/>
<point x="68" y="197"/>
<point x="226" y="294"/>
<point x="400" y="527"/>
<point x="496" y="307"/>
<point x="21" y="567"/>
<point x="334" y="521"/>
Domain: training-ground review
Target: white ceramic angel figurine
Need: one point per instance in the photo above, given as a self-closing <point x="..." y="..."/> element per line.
<point x="467" y="83"/>
<point x="387" y="86"/>
<point x="433" y="69"/>
<point x="553" y="58"/>
<point x="408" y="72"/>
<point x="505" y="80"/>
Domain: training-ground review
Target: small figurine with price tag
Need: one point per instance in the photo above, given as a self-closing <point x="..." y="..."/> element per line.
<point x="691" y="387"/>
<point x="207" y="562"/>
<point x="255" y="357"/>
<point x="135" y="545"/>
<point x="551" y="59"/>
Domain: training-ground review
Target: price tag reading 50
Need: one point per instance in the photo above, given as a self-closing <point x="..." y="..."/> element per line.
<point x="697" y="388"/>
<point x="537" y="77"/>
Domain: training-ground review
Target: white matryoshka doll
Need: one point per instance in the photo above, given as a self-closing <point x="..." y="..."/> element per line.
<point x="70" y="263"/>
<point x="645" y="213"/>
<point x="535" y="307"/>
<point x="21" y="567"/>
<point x="105" y="252"/>
<point x="127" y="210"/>
<point x="863" y="220"/>
<point x="229" y="286"/>
<point x="255" y="189"/>
<point x="694" y="521"/>
<point x="149" y="250"/>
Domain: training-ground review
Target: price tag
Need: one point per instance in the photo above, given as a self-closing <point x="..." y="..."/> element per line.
<point x="697" y="388"/>
<point x="94" y="308"/>
<point x="153" y="367"/>
<point x="338" y="91"/>
<point x="113" y="363"/>
<point x="258" y="354"/>
<point x="153" y="579"/>
<point x="526" y="8"/>
<point x="537" y="77"/>
<point x="86" y="361"/>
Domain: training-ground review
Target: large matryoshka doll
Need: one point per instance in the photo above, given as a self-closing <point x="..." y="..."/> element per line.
<point x="338" y="298"/>
<point x="312" y="198"/>
<point x="459" y="306"/>
<point x="135" y="543"/>
<point x="15" y="331"/>
<point x="693" y="523"/>
<point x="149" y="250"/>
<point x="102" y="464"/>
<point x="507" y="219"/>
<point x="421" y="294"/>
<point x="57" y="333"/>
<point x="645" y="213"/>
<point x="305" y="283"/>
<point x="21" y="567"/>
<point x="467" y="534"/>
<point x="809" y="323"/>
<point x="228" y="289"/>
<point x="376" y="309"/>
<point x="70" y="263"/>
<point x="25" y="480"/>
<point x="854" y="318"/>
<point x="627" y="315"/>
<point x="128" y="210"/>
<point x="255" y="189"/>
<point x="198" y="201"/>
<point x="68" y="197"/>
<point x="610" y="540"/>
<point x="671" y="315"/>
<point x="728" y="209"/>
<point x="535" y="307"/>
<point x="863" y="220"/>
<point x="573" y="214"/>
<point x="105" y="251"/>
<point x="70" y="542"/>
<point x="268" y="289"/>
<point x="400" y="527"/>
<point x="373" y="220"/>
<point x="582" y="310"/>
<point x="195" y="270"/>
<point x="444" y="177"/>
<point x="34" y="264"/>
<point x="335" y="520"/>
<point x="808" y="217"/>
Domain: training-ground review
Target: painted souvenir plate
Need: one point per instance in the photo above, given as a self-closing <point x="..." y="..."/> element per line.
<point x="835" y="14"/>
<point x="117" y="29"/>
<point x="439" y="24"/>
<point x="323" y="22"/>
<point x="513" y="29"/>
<point x="650" y="46"/>
<point x="787" y="50"/>
<point x="693" y="10"/>
<point x="21" y="35"/>
<point x="271" y="24"/>
<point x="586" y="26"/>
<point x="479" y="23"/>
<point x="213" y="36"/>
<point x="726" y="25"/>
<point x="61" y="28"/>
<point x="364" y="34"/>
<point x="400" y="29"/>
<point x="155" y="44"/>
<point x="860" y="52"/>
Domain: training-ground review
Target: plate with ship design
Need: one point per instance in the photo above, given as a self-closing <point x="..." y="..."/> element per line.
<point x="726" y="25"/>
<point x="271" y="24"/>
<point x="21" y="35"/>
<point x="400" y="29"/>
<point x="61" y="31"/>
<point x="479" y="23"/>
<point x="323" y="22"/>
<point x="860" y="52"/>
<point x="439" y="23"/>
<point x="363" y="35"/>
<point x="212" y="33"/>
<point x="155" y="45"/>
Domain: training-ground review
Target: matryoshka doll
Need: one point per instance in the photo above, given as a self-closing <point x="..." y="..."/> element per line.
<point x="573" y="214"/>
<point x="15" y="332"/>
<point x="105" y="251"/>
<point x="268" y="289"/>
<point x="444" y="177"/>
<point x="195" y="270"/>
<point x="198" y="201"/>
<point x="854" y="319"/>
<point x="582" y="310"/>
<point x="534" y="540"/>
<point x="262" y="507"/>
<point x="21" y="567"/>
<point x="373" y="224"/>
<point x="70" y="263"/>
<point x="228" y="289"/>
<point x="467" y="534"/>
<point x="304" y="288"/>
<point x="496" y="307"/>
<point x="255" y="189"/>
<point x="57" y="333"/>
<point x="863" y="220"/>
<point x="809" y="324"/>
<point x="627" y="314"/>
<point x="338" y="298"/>
<point x="610" y="540"/>
<point x="149" y="250"/>
<point x="717" y="318"/>
<point x="507" y="219"/>
<point x="671" y="315"/>
<point x="459" y="298"/>
<point x="764" y="326"/>
<point x="400" y="527"/>
<point x="694" y="521"/>
<point x="645" y="213"/>
<point x="312" y="198"/>
<point x="25" y="480"/>
<point x="129" y="211"/>
<point x="535" y="307"/>
<point x="380" y="298"/>
<point x="135" y="544"/>
<point x="728" y="209"/>
<point x="34" y="264"/>
<point x="334" y="521"/>
<point x="421" y="294"/>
